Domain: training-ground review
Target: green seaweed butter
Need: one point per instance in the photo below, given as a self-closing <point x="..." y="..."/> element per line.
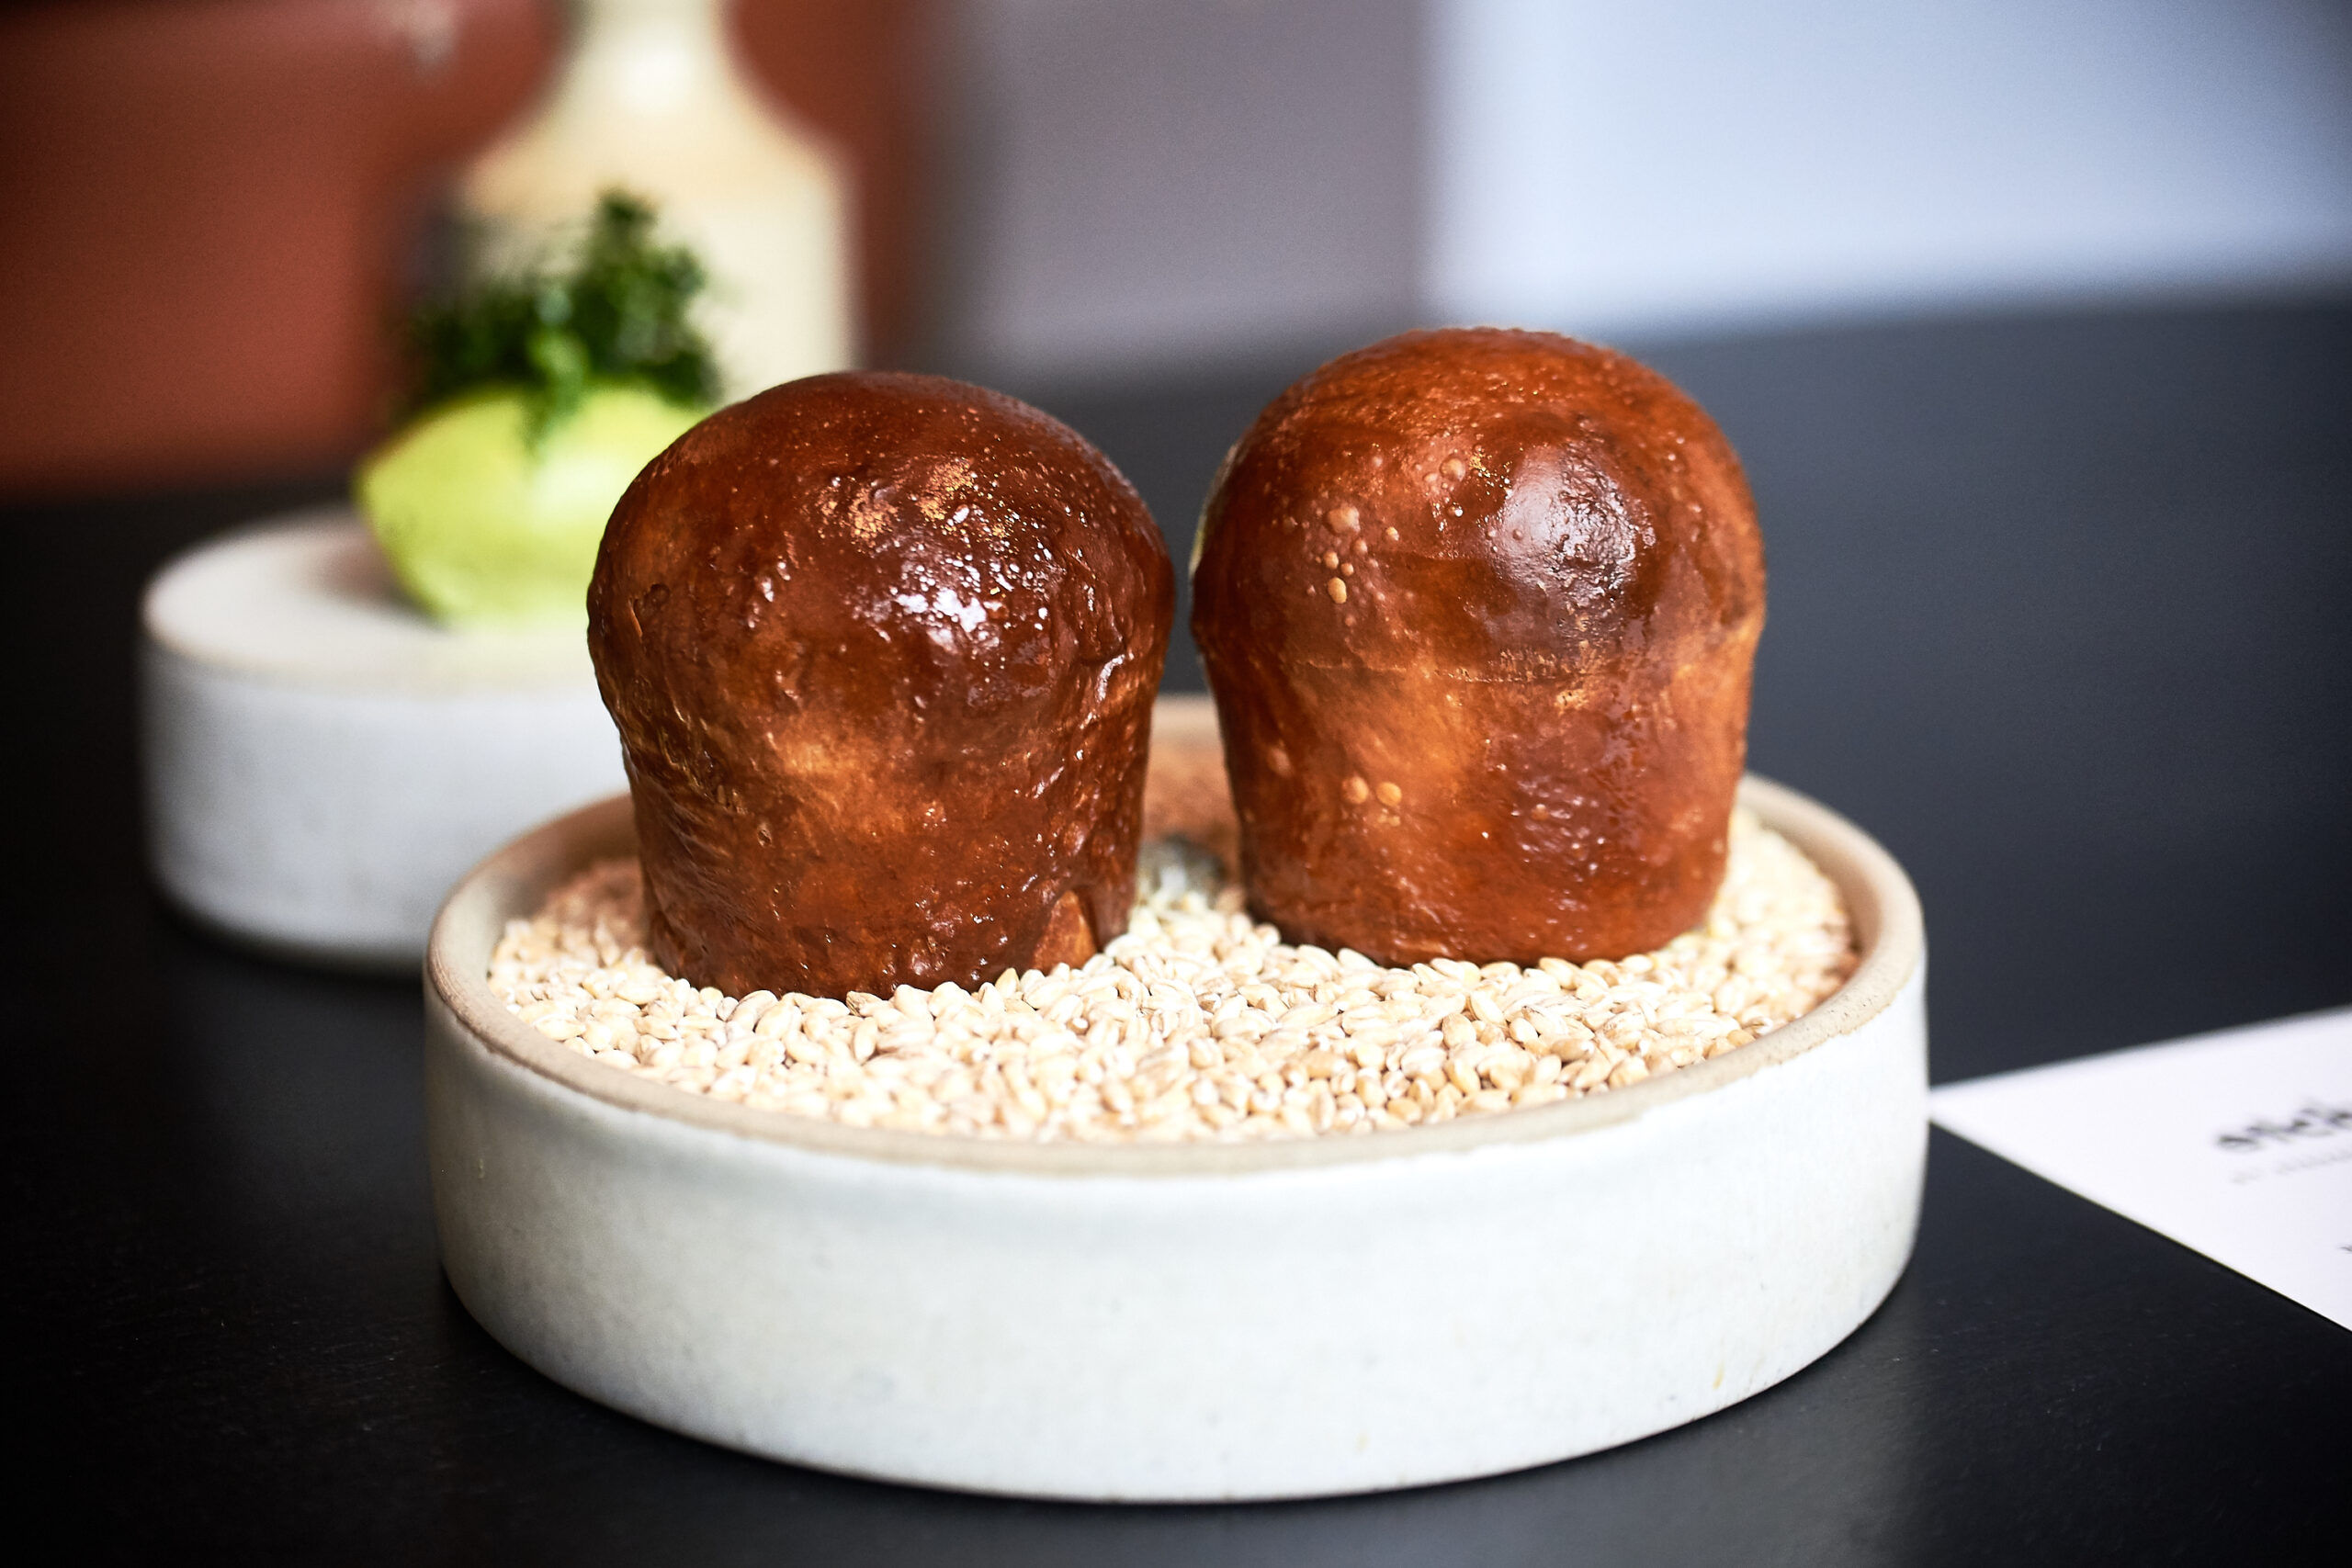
<point x="484" y="526"/>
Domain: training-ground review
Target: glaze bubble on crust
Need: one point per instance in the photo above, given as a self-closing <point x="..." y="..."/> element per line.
<point x="1197" y="1024"/>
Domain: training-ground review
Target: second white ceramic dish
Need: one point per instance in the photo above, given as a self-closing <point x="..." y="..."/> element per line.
<point x="323" y="762"/>
<point x="1192" y="1322"/>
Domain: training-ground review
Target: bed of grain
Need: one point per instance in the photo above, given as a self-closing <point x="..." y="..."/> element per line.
<point x="1197" y="1024"/>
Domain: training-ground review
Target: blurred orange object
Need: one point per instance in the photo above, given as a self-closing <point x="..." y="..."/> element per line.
<point x="209" y="206"/>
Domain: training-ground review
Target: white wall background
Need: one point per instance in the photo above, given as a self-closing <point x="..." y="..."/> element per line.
<point x="1146" y="185"/>
<point x="1612" y="165"/>
<point x="1152" y="182"/>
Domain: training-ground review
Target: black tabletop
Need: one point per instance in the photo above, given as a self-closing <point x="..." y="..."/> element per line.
<point x="2062" y="610"/>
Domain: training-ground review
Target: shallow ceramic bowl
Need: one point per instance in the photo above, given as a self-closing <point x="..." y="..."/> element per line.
<point x="321" y="761"/>
<point x="1180" y="1321"/>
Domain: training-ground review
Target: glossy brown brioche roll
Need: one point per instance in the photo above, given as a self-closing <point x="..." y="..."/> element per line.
<point x="882" y="651"/>
<point x="1479" y="608"/>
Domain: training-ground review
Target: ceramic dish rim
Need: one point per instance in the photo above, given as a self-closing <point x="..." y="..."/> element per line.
<point x="1884" y="906"/>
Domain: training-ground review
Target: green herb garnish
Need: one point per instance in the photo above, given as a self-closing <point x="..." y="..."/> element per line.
<point x="619" y="315"/>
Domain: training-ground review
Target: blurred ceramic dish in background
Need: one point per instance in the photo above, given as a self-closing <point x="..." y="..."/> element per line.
<point x="323" y="762"/>
<point x="1180" y="1321"/>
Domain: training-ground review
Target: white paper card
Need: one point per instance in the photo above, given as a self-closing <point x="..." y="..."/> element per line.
<point x="2237" y="1144"/>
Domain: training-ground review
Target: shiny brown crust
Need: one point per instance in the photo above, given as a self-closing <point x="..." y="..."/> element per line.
<point x="1479" y="609"/>
<point x="882" y="651"/>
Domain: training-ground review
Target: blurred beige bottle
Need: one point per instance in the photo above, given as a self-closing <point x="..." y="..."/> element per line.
<point x="652" y="99"/>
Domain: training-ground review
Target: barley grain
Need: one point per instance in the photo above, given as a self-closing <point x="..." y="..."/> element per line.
<point x="1197" y="1024"/>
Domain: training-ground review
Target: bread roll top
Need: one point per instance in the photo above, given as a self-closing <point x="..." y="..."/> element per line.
<point x="1504" y="506"/>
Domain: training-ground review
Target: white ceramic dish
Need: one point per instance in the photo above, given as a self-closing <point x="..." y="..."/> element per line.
<point x="323" y="762"/>
<point x="1192" y="1322"/>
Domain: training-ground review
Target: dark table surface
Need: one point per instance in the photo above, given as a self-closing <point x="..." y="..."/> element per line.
<point x="2062" y="609"/>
